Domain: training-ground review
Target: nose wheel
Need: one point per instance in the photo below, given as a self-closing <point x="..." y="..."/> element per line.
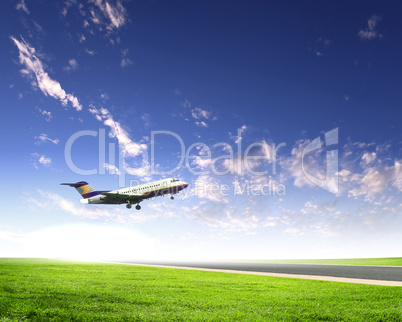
<point x="171" y="197"/>
<point x="138" y="207"/>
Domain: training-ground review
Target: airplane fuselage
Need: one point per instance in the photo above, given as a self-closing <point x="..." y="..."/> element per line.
<point x="145" y="191"/>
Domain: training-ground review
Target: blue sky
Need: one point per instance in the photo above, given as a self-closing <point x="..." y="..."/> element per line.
<point x="227" y="80"/>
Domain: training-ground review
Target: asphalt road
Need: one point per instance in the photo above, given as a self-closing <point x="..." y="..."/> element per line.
<point x="383" y="273"/>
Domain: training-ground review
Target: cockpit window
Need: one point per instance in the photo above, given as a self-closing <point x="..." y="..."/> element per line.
<point x="175" y="180"/>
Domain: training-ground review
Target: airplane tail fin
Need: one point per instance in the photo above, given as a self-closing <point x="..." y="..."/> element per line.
<point x="82" y="187"/>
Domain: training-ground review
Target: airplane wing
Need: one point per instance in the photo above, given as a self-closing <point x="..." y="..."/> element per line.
<point x="118" y="196"/>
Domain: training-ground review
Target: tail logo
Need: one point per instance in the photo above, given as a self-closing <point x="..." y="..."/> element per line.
<point x="83" y="189"/>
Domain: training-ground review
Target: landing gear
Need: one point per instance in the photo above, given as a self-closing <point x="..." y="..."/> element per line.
<point x="128" y="206"/>
<point x="171" y="197"/>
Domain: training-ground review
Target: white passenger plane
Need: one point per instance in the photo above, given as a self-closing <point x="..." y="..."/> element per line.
<point x="131" y="195"/>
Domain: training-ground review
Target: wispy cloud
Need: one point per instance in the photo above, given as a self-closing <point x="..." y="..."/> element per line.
<point x="34" y="69"/>
<point x="130" y="147"/>
<point x="370" y="32"/>
<point x="146" y="119"/>
<point x="43" y="138"/>
<point x="186" y="104"/>
<point x="50" y="200"/>
<point x="125" y="61"/>
<point x="22" y="6"/>
<point x="225" y="216"/>
<point x="116" y="13"/>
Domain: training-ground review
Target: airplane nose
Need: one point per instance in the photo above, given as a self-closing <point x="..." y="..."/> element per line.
<point x="185" y="184"/>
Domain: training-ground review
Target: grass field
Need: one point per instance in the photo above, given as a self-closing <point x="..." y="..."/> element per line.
<point x="387" y="261"/>
<point x="40" y="290"/>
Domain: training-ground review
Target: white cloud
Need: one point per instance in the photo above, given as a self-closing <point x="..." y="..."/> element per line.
<point x="237" y="165"/>
<point x="374" y="181"/>
<point x="251" y="165"/>
<point x="201" y="163"/>
<point x="115" y="13"/>
<point x="46" y="114"/>
<point x="370" y="32"/>
<point x="112" y="169"/>
<point x="43" y="138"/>
<point x="398" y="175"/>
<point x="90" y="52"/>
<point x="146" y="119"/>
<point x="186" y="104"/>
<point x="43" y="160"/>
<point x="129" y="147"/>
<point x="177" y="92"/>
<point x="49" y="200"/>
<point x="225" y="216"/>
<point x="35" y="70"/>
<point x="201" y="124"/>
<point x="11" y="236"/>
<point x="22" y="6"/>
<point x="309" y="208"/>
<point x="311" y="218"/>
<point x="95" y="18"/>
<point x="240" y="131"/>
<point x="318" y="53"/>
<point x="325" y="41"/>
<point x="294" y="165"/>
<point x="124" y="60"/>
<point x="38" y="159"/>
<point x="369" y="157"/>
<point x="88" y="243"/>
<point x="68" y="4"/>
<point x="367" y="174"/>
<point x="206" y="187"/>
<point x="72" y="65"/>
<point x="198" y="113"/>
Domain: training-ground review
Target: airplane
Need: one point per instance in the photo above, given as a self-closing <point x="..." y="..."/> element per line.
<point x="128" y="196"/>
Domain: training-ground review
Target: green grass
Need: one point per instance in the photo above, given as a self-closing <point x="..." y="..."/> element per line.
<point x="40" y="290"/>
<point x="387" y="261"/>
